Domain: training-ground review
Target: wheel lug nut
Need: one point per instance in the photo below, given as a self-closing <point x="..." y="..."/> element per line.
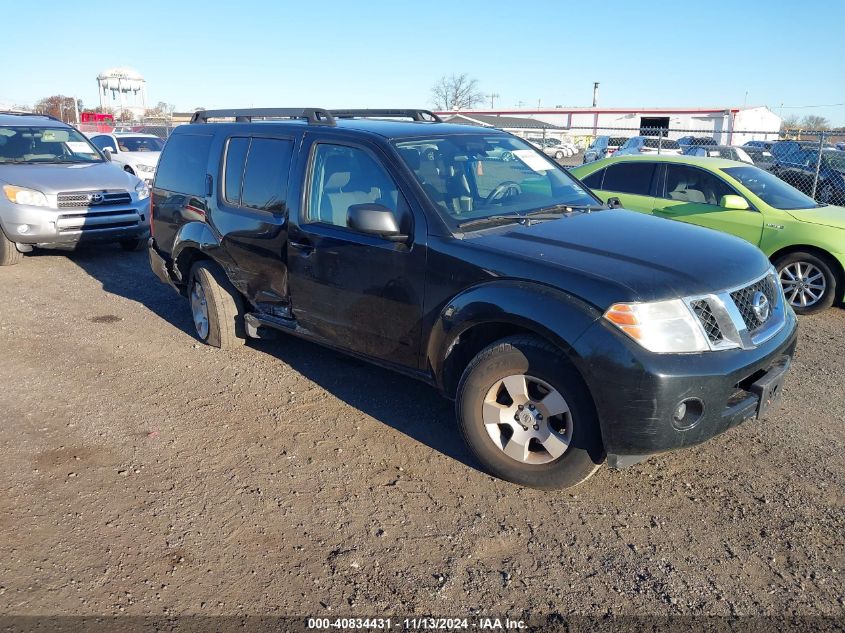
<point x="536" y="427"/>
<point x="520" y="407"/>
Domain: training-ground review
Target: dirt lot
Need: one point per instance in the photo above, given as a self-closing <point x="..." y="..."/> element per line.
<point x="143" y="473"/>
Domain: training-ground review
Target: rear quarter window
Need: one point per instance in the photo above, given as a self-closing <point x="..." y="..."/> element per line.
<point x="632" y="178"/>
<point x="183" y="164"/>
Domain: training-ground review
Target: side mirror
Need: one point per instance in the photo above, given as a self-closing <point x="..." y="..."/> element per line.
<point x="614" y="203"/>
<point x="107" y="152"/>
<point x="374" y="219"/>
<point x="735" y="202"/>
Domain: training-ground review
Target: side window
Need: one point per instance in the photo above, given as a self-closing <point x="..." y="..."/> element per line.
<point x="593" y="181"/>
<point x="266" y="174"/>
<point x="183" y="164"/>
<point x="689" y="184"/>
<point x="102" y="142"/>
<point x="343" y="176"/>
<point x="629" y="178"/>
<point x="233" y="169"/>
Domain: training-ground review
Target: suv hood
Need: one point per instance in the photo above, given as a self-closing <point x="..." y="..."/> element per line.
<point x="52" y="179"/>
<point x="618" y="255"/>
<point x="825" y="216"/>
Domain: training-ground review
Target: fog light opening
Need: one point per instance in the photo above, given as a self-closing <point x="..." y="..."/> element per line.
<point x="687" y="413"/>
<point x="23" y="229"/>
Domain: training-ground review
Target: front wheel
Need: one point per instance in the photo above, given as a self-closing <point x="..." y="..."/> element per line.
<point x="9" y="253"/>
<point x="129" y="170"/>
<point x="810" y="283"/>
<point x="558" y="155"/>
<point x="527" y="416"/>
<point x="216" y="307"/>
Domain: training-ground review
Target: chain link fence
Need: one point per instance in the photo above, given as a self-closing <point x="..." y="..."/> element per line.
<point x="812" y="161"/>
<point x="158" y="126"/>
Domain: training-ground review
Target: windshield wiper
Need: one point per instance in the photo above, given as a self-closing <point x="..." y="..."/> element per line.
<point x="497" y="219"/>
<point x="568" y="208"/>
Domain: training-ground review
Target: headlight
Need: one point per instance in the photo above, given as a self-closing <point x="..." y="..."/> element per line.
<point x="142" y="190"/>
<point x="146" y="168"/>
<point x="664" y="327"/>
<point x="20" y="195"/>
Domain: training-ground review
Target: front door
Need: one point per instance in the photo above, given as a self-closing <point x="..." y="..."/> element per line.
<point x="692" y="194"/>
<point x="358" y="291"/>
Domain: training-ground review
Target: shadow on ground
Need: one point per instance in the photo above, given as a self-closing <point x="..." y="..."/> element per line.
<point x="402" y="403"/>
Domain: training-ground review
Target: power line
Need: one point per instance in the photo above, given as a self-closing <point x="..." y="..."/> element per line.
<point x="822" y="105"/>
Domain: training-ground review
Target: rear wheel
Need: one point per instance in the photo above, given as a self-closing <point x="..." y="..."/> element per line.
<point x="558" y="155"/>
<point x="216" y="307"/>
<point x="527" y="416"/>
<point x="810" y="283"/>
<point x="9" y="254"/>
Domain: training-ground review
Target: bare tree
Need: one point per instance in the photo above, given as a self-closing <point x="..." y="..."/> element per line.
<point x="59" y="106"/>
<point x="815" y="122"/>
<point x="792" y="122"/>
<point x="456" y="92"/>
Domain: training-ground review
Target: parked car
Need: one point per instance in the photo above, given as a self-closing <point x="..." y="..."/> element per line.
<point x="602" y="147"/>
<point x="805" y="241"/>
<point x="718" y="151"/>
<point x="59" y="190"/>
<point x="693" y="141"/>
<point x="137" y="153"/>
<point x="762" y="158"/>
<point x="554" y="147"/>
<point x="801" y="167"/>
<point x="564" y="330"/>
<point x="760" y="144"/>
<point x="648" y="145"/>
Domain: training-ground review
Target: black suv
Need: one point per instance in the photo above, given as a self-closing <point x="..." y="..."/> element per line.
<point x="566" y="332"/>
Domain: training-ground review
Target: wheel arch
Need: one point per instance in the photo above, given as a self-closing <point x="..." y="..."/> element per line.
<point x="495" y="310"/>
<point x="821" y="253"/>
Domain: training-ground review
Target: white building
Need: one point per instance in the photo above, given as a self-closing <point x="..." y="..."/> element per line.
<point x="123" y="90"/>
<point x="729" y="125"/>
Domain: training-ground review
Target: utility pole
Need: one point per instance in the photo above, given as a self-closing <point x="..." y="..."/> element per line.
<point x="493" y="96"/>
<point x="595" y="93"/>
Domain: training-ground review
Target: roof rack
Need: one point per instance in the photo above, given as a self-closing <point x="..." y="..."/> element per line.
<point x="314" y="116"/>
<point x="415" y="114"/>
<point x="20" y="113"/>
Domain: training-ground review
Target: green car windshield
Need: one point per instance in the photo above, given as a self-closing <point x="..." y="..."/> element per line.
<point x="475" y="176"/>
<point x="771" y="189"/>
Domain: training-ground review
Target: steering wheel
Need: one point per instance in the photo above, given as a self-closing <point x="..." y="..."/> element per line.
<point x="503" y="190"/>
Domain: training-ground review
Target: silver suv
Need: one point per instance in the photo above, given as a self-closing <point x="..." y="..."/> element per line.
<point x="58" y="189"/>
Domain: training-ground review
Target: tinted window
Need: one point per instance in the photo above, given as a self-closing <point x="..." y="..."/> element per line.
<point x="771" y="189"/>
<point x="234" y="169"/>
<point x="103" y="142"/>
<point x="593" y="181"/>
<point x="629" y="178"/>
<point x="266" y="174"/>
<point x="183" y="164"/>
<point x="344" y="176"/>
<point x="690" y="184"/>
<point x="664" y="143"/>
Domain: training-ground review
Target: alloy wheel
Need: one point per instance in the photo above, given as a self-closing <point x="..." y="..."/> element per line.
<point x="199" y="309"/>
<point x="527" y="419"/>
<point x="803" y="284"/>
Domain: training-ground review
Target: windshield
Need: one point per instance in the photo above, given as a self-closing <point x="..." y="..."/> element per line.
<point x="31" y="145"/>
<point x="139" y="143"/>
<point x="473" y="176"/>
<point x="771" y="189"/>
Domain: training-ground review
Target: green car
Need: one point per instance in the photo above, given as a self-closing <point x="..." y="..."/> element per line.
<point x="804" y="240"/>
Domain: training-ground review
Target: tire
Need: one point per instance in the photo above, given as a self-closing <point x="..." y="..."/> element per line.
<point x="9" y="254"/>
<point x="558" y="155"/>
<point x="129" y="170"/>
<point x="582" y="452"/>
<point x="816" y="270"/>
<point x="131" y="245"/>
<point x="224" y="313"/>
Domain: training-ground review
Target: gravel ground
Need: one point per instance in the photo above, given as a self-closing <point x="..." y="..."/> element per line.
<point x="145" y="474"/>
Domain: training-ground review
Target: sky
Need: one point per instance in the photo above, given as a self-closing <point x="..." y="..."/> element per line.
<point x="784" y="54"/>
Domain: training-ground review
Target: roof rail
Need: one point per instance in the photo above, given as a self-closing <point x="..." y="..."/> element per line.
<point x="20" y="113"/>
<point x="413" y="113"/>
<point x="315" y="116"/>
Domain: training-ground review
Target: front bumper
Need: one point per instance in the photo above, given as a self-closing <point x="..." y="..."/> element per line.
<point x="637" y="393"/>
<point x="43" y="226"/>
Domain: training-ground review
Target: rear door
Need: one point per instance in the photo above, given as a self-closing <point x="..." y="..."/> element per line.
<point x="632" y="182"/>
<point x="360" y="292"/>
<point x="692" y="194"/>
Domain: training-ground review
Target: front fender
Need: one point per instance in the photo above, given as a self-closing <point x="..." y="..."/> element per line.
<point x="549" y="312"/>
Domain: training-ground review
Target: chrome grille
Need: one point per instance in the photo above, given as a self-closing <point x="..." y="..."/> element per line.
<point x="86" y="199"/>
<point x="744" y="300"/>
<point x="708" y="320"/>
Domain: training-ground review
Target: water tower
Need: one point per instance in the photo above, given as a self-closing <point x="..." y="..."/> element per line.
<point x="123" y="90"/>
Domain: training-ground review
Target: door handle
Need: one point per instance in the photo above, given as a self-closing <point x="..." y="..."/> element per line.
<point x="304" y="246"/>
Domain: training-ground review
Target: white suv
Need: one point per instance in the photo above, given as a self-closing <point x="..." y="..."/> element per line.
<point x="136" y="153"/>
